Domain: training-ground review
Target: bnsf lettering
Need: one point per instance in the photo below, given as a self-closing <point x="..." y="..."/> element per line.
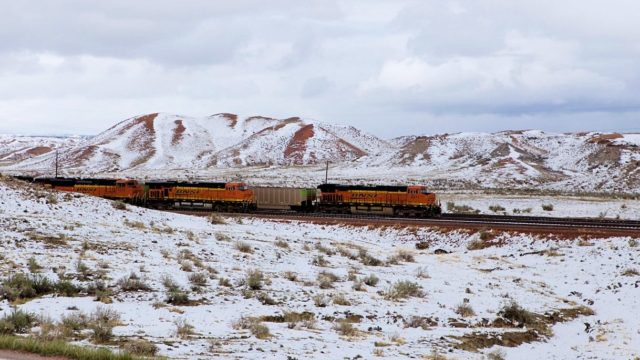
<point x="363" y="196"/>
<point x="86" y="189"/>
<point x="183" y="192"/>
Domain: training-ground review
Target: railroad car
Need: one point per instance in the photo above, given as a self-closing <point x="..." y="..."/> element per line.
<point x="279" y="198"/>
<point x="409" y="201"/>
<point x="216" y="196"/>
<point x="121" y="189"/>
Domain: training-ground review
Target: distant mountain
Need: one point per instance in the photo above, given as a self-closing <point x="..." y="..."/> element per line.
<point x="156" y="141"/>
<point x="522" y="159"/>
<point x="14" y="149"/>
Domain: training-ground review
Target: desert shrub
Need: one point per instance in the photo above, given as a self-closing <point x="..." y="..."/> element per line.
<point x="83" y="270"/>
<point x="516" y="314"/>
<point x="186" y="265"/>
<point x="345" y="328"/>
<point x="630" y="272"/>
<point x="17" y="321"/>
<point x="100" y="290"/>
<point x="169" y="283"/>
<point x="222" y="237"/>
<point x="420" y="322"/>
<point x="465" y="310"/>
<point x="325" y="250"/>
<point x="258" y="330"/>
<point x="33" y="265"/>
<point x="290" y="275"/>
<point x="47" y="329"/>
<point x="320" y="300"/>
<point x="404" y="289"/>
<point x="478" y="245"/>
<point x="224" y="282"/>
<point x="633" y="242"/>
<point x="371" y="280"/>
<point x="405" y="255"/>
<point x="358" y="285"/>
<point x="244" y="247"/>
<point x="134" y="224"/>
<point x="326" y="279"/>
<point x="451" y="206"/>
<point x="132" y="282"/>
<point x="75" y="321"/>
<point x="496" y="355"/>
<point x="141" y="347"/>
<point x="216" y="219"/>
<point x="497" y="208"/>
<point x="22" y="286"/>
<point x="547" y="207"/>
<point x="198" y="279"/>
<point x="265" y="299"/>
<point x="292" y="318"/>
<point x="67" y="288"/>
<point x="340" y="299"/>
<point x="422" y="273"/>
<point x="119" y="205"/>
<point x="101" y="322"/>
<point x="52" y="199"/>
<point x="282" y="244"/>
<point x="183" y="329"/>
<point x="177" y="297"/>
<point x="461" y="209"/>
<point x="254" y="279"/>
<point x="320" y="261"/>
<point x="486" y="235"/>
<point x="368" y="260"/>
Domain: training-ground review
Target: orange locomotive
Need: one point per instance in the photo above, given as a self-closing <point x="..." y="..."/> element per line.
<point x="122" y="189"/>
<point x="411" y="201"/>
<point x="232" y="196"/>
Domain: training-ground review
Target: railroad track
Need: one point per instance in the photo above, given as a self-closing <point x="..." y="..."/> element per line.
<point x="528" y="224"/>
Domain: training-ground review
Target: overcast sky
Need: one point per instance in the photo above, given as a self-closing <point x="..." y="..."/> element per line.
<point x="388" y="67"/>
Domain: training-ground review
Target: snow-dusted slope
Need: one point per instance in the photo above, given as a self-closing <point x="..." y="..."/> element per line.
<point x="160" y="141"/>
<point x="14" y="149"/>
<point x="149" y="145"/>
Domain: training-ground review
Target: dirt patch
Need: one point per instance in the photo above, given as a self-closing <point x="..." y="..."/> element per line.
<point x="38" y="150"/>
<point x="298" y="144"/>
<point x="606" y="155"/>
<point x="231" y="118"/>
<point x="605" y="138"/>
<point x="346" y="148"/>
<point x="538" y="330"/>
<point x="142" y="140"/>
<point x="254" y="118"/>
<point x="82" y="155"/>
<point x="411" y="150"/>
<point x="178" y="132"/>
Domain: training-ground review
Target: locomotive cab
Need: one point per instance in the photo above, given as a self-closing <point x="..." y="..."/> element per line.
<point x="236" y="186"/>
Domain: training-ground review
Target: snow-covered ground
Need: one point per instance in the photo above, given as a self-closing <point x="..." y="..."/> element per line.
<point x="541" y="275"/>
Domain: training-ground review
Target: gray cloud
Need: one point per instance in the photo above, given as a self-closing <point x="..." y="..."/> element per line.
<point x="424" y="66"/>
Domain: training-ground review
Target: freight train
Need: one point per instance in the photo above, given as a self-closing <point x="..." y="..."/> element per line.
<point x="405" y="201"/>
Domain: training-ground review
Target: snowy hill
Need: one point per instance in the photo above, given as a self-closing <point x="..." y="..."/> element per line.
<point x="160" y="141"/>
<point x="14" y="149"/>
<point x="149" y="145"/>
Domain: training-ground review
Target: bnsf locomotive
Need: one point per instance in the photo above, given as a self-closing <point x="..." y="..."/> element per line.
<point x="406" y="201"/>
<point x="410" y="201"/>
